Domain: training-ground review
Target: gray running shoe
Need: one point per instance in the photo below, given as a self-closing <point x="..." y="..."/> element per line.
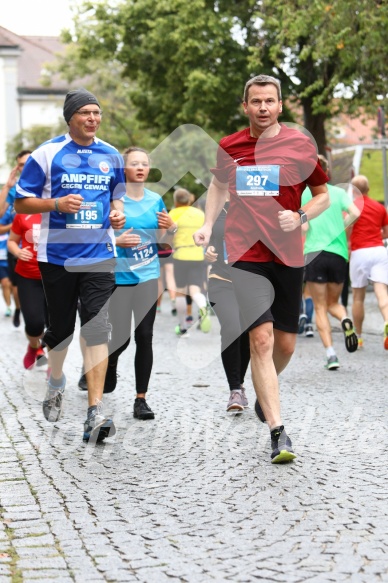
<point x="235" y="403"/>
<point x="244" y="398"/>
<point x="52" y="404"/>
<point x="332" y="363"/>
<point x="282" y="451"/>
<point x="97" y="427"/>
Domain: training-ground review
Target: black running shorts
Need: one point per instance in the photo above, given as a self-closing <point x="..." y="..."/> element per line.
<point x="63" y="289"/>
<point x="268" y="292"/>
<point x="188" y="273"/>
<point x="325" y="267"/>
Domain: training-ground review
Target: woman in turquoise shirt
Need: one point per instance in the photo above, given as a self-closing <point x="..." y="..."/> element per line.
<point x="137" y="272"/>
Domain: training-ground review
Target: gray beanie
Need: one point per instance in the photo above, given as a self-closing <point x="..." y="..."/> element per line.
<point x="76" y="99"/>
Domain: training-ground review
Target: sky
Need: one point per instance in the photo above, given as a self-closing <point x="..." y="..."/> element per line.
<point x="37" y="17"/>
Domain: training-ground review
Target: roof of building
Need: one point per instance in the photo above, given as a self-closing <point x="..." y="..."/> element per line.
<point x="35" y="51"/>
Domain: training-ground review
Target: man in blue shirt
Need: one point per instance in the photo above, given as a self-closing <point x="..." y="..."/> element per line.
<point x="76" y="181"/>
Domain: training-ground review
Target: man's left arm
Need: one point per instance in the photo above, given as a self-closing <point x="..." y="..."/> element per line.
<point x="320" y="201"/>
<point x="116" y="215"/>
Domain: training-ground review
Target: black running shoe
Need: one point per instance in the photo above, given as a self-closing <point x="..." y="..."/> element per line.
<point x="351" y="340"/>
<point x="16" y="318"/>
<point x="53" y="402"/>
<point x="141" y="410"/>
<point x="110" y="378"/>
<point x="82" y="383"/>
<point x="259" y="411"/>
<point x="309" y="331"/>
<point x="97" y="427"/>
<point x="282" y="451"/>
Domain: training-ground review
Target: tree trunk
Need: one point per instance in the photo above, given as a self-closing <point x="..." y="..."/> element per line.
<point x="315" y="124"/>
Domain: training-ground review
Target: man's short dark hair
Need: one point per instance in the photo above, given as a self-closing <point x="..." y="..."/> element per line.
<point x="262" y="80"/>
<point x="23" y="153"/>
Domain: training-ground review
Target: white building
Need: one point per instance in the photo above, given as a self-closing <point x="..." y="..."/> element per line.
<point x="24" y="101"/>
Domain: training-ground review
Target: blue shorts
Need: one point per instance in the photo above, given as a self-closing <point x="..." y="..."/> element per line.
<point x="3" y="272"/>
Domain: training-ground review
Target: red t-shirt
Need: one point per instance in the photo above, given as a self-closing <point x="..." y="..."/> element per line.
<point x="28" y="228"/>
<point x="366" y="230"/>
<point x="279" y="170"/>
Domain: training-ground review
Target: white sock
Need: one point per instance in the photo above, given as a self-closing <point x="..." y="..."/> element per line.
<point x="330" y="351"/>
<point x="200" y="300"/>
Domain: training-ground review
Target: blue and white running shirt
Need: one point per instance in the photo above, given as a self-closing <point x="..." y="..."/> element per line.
<point x="6" y="219"/>
<point x="140" y="263"/>
<point x="60" y="167"/>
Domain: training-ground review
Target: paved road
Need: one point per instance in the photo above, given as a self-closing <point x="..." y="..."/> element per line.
<point x="192" y="496"/>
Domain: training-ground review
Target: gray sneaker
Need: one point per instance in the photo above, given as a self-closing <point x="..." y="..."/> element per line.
<point x="244" y="398"/>
<point x="235" y="402"/>
<point x="332" y="363"/>
<point x="52" y="404"/>
<point x="97" y="427"/>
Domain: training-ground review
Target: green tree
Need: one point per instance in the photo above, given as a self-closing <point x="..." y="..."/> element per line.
<point x="186" y="62"/>
<point x="330" y="56"/>
<point x="31" y="138"/>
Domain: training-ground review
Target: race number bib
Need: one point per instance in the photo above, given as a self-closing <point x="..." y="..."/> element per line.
<point x="141" y="255"/>
<point x="35" y="236"/>
<point x="257" y="180"/>
<point x="89" y="216"/>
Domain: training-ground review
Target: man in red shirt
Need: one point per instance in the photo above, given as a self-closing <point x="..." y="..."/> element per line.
<point x="368" y="259"/>
<point x="266" y="167"/>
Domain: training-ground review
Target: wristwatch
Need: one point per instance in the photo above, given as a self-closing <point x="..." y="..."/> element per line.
<point x="173" y="231"/>
<point x="303" y="217"/>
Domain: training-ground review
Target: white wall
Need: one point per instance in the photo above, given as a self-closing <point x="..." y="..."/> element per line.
<point x="40" y="111"/>
<point x="9" y="110"/>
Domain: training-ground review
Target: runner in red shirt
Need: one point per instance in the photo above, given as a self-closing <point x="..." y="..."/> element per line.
<point x="265" y="168"/>
<point x="26" y="229"/>
<point x="368" y="259"/>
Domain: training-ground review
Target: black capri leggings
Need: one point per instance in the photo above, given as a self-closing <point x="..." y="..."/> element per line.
<point x="139" y="300"/>
<point x="32" y="304"/>
<point x="235" y="349"/>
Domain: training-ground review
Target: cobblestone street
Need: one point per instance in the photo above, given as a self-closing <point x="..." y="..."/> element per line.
<point x="192" y="496"/>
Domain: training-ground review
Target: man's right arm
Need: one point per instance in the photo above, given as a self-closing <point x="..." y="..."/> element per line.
<point x="31" y="205"/>
<point x="215" y="200"/>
